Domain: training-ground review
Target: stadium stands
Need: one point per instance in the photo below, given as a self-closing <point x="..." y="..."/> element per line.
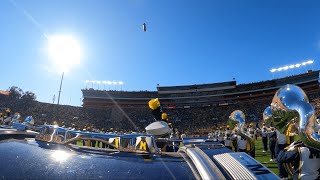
<point x="195" y="108"/>
<point x="216" y="94"/>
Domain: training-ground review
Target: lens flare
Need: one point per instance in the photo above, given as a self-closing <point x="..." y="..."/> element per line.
<point x="60" y="156"/>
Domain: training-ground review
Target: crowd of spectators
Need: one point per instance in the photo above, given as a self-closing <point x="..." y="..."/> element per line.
<point x="202" y="120"/>
<point x="193" y="120"/>
<point x="304" y="80"/>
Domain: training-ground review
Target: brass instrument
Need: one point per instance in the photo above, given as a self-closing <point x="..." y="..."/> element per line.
<point x="267" y="116"/>
<point x="291" y="105"/>
<point x="238" y="117"/>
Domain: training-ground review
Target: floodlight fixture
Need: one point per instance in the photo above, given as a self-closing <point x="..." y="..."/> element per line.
<point x="105" y="82"/>
<point x="273" y="70"/>
<point x="284" y="68"/>
<point x="309" y="62"/>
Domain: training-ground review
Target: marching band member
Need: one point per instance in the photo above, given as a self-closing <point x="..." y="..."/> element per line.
<point x="272" y="135"/>
<point x="93" y="142"/>
<point x="257" y="132"/>
<point x="289" y="134"/>
<point x="306" y="161"/>
<point x="264" y="138"/>
<point x="291" y="105"/>
<point x="245" y="143"/>
<point x="8" y="111"/>
<point x="16" y="117"/>
<point x="281" y="142"/>
<point x="241" y="144"/>
<point x="234" y="140"/>
<point x="251" y="133"/>
<point x="7" y="117"/>
<point x="171" y="135"/>
<point x="183" y="135"/>
<point x="228" y="142"/>
<point x="215" y="135"/>
<point x="177" y="133"/>
<point x="251" y="130"/>
<point x="220" y="135"/>
<point x="227" y="139"/>
<point x="7" y="121"/>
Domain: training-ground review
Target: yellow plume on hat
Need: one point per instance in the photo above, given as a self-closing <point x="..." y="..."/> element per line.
<point x="164" y="116"/>
<point x="154" y="103"/>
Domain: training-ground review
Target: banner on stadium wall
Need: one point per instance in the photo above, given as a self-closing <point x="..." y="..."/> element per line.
<point x="186" y="107"/>
<point x="5" y="93"/>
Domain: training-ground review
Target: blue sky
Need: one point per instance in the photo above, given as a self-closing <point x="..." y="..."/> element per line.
<point x="187" y="42"/>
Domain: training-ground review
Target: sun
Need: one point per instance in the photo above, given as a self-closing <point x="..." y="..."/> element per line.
<point x="64" y="51"/>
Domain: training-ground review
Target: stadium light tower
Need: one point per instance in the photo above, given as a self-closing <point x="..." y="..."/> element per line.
<point x="92" y="82"/>
<point x="65" y="52"/>
<point x="104" y="84"/>
<point x="110" y="83"/>
<point x="292" y="66"/>
<point x="98" y="82"/>
<point x="121" y="84"/>
<point x="115" y="84"/>
<point x="86" y="82"/>
<point x="60" y="88"/>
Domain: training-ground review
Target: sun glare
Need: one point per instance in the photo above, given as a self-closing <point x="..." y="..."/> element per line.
<point x="60" y="155"/>
<point x="64" y="51"/>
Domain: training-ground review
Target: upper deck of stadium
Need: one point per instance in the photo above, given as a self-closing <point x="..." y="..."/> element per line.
<point x="222" y="93"/>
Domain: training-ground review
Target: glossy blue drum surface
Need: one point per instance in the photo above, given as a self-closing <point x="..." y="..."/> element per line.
<point x="21" y="159"/>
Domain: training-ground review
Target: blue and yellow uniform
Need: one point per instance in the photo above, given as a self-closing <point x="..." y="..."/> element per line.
<point x="306" y="162"/>
<point x="264" y="138"/>
<point x="272" y="143"/>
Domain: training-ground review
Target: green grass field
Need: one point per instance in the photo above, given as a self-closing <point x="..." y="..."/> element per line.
<point x="264" y="157"/>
